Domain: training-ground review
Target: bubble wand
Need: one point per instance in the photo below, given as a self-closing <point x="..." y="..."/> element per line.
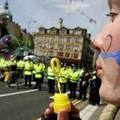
<point x="55" y="65"/>
<point x="61" y="100"/>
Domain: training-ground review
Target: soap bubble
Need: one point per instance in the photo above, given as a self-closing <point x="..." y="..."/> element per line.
<point x="8" y="45"/>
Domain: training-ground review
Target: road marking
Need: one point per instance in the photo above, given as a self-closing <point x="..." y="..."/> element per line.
<point x="51" y="97"/>
<point x="20" y="84"/>
<point x="39" y="119"/>
<point x="16" y="93"/>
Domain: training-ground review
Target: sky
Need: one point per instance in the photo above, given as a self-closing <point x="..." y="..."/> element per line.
<point x="32" y="14"/>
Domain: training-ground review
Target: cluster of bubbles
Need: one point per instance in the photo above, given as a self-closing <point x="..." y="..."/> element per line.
<point x="8" y="45"/>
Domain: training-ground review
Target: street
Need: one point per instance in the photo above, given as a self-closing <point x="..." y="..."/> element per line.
<point x="29" y="104"/>
<point x="22" y="103"/>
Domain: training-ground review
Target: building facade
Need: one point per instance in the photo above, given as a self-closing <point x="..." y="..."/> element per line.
<point x="71" y="46"/>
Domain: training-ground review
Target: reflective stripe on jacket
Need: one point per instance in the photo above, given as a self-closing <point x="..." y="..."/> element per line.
<point x="28" y="68"/>
<point x="51" y="75"/>
<point x="38" y="71"/>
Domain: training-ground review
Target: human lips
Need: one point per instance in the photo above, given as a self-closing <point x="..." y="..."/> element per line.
<point x="99" y="70"/>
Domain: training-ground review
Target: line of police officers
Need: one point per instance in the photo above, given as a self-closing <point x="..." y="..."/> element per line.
<point x="71" y="79"/>
<point x="24" y="69"/>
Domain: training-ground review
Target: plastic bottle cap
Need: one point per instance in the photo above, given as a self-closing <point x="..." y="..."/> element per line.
<point x="61" y="102"/>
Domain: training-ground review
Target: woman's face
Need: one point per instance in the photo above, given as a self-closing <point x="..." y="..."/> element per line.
<point x="108" y="41"/>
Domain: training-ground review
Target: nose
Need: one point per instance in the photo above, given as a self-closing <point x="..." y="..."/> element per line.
<point x="97" y="43"/>
<point x="103" y="43"/>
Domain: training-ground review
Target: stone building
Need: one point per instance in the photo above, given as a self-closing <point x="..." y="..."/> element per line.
<point x="71" y="46"/>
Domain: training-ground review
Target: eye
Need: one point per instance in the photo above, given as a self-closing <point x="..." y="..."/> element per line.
<point x="112" y="16"/>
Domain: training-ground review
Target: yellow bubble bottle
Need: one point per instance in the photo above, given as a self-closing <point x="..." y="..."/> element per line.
<point x="61" y="102"/>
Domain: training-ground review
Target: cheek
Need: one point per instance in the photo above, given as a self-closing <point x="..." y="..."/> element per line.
<point x="111" y="73"/>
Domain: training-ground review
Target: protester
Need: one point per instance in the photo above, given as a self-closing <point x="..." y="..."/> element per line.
<point x="7" y="77"/>
<point x="108" y="63"/>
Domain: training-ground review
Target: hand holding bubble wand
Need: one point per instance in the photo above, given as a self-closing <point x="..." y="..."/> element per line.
<point x="61" y="100"/>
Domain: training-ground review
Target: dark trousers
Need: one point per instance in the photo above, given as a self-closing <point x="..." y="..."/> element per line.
<point x="51" y="86"/>
<point x="20" y="74"/>
<point x="13" y="76"/>
<point x="94" y="98"/>
<point x="63" y="87"/>
<point x="73" y="87"/>
<point x="82" y="93"/>
<point x="38" y="83"/>
<point x="33" y="77"/>
<point x="28" y="78"/>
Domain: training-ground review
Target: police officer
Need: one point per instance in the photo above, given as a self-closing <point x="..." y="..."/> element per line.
<point x="68" y="74"/>
<point x="38" y="75"/>
<point x="42" y="70"/>
<point x="33" y="71"/>
<point x="28" y="71"/>
<point x="74" y="78"/>
<point x="20" y="68"/>
<point x="51" y="80"/>
<point x="95" y="83"/>
<point x="63" y="79"/>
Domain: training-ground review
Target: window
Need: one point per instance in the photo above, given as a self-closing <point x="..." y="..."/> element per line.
<point x="60" y="54"/>
<point x="76" y="55"/>
<point x="76" y="48"/>
<point x="67" y="54"/>
<point x="41" y="30"/>
<point x="62" y="39"/>
<point x="51" y="46"/>
<point x="52" y="39"/>
<point x="71" y="31"/>
<point x="48" y="31"/>
<point x="50" y="53"/>
<point x="78" y="32"/>
<point x="68" y="40"/>
<point x="61" y="47"/>
<point x="76" y="40"/>
<point x="53" y="31"/>
<point x="63" y="31"/>
<point x="68" y="47"/>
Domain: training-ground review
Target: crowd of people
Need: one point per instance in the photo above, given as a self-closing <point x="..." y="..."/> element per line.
<point x="14" y="70"/>
<point x="80" y="82"/>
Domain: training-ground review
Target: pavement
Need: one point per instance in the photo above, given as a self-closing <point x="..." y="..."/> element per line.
<point x="93" y="112"/>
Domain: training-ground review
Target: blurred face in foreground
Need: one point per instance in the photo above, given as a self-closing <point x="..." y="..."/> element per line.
<point x="107" y="43"/>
